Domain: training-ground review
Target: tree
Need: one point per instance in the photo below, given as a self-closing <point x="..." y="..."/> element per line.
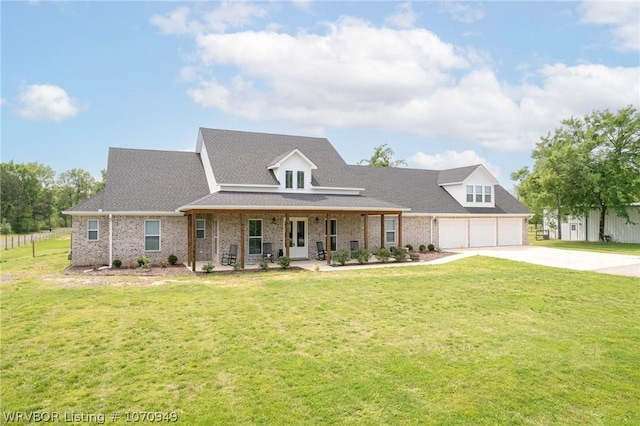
<point x="382" y="157"/>
<point x="589" y="163"/>
<point x="74" y="186"/>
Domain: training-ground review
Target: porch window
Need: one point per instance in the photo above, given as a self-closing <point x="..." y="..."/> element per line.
<point x="487" y="194"/>
<point x="255" y="236"/>
<point x="333" y="233"/>
<point x="390" y="230"/>
<point x="92" y="230"/>
<point x="288" y="179"/>
<point x="478" y="194"/>
<point x="469" y="193"/>
<point x="200" y="226"/>
<point x="151" y="235"/>
<point x="300" y="180"/>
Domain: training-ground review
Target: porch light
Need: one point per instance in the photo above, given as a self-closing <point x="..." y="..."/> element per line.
<point x="273" y="220"/>
<point x="317" y="220"/>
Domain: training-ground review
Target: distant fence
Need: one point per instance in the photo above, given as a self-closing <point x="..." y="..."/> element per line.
<point x="8" y="242"/>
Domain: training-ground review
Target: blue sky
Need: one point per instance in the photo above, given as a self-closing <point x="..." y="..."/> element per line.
<point x="444" y="84"/>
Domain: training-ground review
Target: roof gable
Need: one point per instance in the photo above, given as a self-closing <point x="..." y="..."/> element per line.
<point x="283" y="159"/>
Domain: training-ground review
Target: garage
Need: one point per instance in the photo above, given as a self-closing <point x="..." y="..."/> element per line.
<point x="452" y="233"/>
<point x="510" y="232"/>
<point x="482" y="232"/>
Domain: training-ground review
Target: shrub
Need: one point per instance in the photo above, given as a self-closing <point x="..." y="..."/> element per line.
<point x="360" y="255"/>
<point x="208" y="267"/>
<point x="264" y="264"/>
<point x="400" y="255"/>
<point x="431" y="247"/>
<point x="237" y="266"/>
<point x="409" y="247"/>
<point x="383" y="254"/>
<point x="284" y="262"/>
<point x="422" y="248"/>
<point x="5" y="227"/>
<point x="173" y="259"/>
<point x="341" y="256"/>
<point x="143" y="262"/>
<point x="117" y="263"/>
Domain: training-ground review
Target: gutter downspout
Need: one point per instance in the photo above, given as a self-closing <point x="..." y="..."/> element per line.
<point x="110" y="240"/>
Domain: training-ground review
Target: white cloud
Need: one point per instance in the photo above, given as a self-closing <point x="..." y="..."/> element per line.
<point x="226" y="15"/>
<point x="450" y="159"/>
<point x="46" y="102"/>
<point x="465" y="13"/>
<point x="353" y="73"/>
<point x="622" y="16"/>
<point x="404" y="17"/>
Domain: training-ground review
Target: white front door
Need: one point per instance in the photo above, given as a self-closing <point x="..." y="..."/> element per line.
<point x="299" y="247"/>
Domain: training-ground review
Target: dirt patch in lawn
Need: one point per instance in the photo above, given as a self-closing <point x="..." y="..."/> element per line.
<point x="153" y="271"/>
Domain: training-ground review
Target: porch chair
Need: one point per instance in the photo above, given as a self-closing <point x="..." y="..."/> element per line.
<point x="267" y="252"/>
<point x="231" y="256"/>
<point x="322" y="253"/>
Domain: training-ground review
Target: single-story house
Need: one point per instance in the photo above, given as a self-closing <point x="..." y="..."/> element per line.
<point x="586" y="228"/>
<point x="246" y="189"/>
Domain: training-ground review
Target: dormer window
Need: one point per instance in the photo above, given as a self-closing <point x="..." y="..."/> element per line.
<point x="300" y="180"/>
<point x="289" y="179"/>
<point x="479" y="193"/>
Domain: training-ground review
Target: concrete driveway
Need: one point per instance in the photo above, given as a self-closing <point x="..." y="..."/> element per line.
<point x="616" y="264"/>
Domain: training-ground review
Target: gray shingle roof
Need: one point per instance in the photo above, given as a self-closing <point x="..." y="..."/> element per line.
<point x="418" y="189"/>
<point x="92" y="204"/>
<point x="148" y="180"/>
<point x="292" y="200"/>
<point x="243" y="157"/>
<point x="456" y="175"/>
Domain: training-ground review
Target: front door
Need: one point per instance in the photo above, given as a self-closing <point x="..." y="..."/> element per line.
<point x="299" y="248"/>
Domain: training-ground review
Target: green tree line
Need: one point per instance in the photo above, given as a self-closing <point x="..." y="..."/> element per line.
<point x="589" y="163"/>
<point x="33" y="196"/>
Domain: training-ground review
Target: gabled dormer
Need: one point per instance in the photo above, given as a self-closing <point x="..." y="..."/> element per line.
<point x="471" y="186"/>
<point x="293" y="171"/>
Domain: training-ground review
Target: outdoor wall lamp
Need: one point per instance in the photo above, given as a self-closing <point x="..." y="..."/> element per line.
<point x="317" y="220"/>
<point x="273" y="220"/>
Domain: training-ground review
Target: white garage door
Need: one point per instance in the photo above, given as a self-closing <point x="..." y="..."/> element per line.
<point x="452" y="233"/>
<point x="509" y="232"/>
<point x="482" y="232"/>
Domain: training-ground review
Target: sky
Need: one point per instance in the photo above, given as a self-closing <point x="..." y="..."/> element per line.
<point x="443" y="84"/>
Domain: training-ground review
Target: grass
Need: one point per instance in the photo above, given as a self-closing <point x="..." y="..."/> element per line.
<point x="602" y="247"/>
<point x="478" y="341"/>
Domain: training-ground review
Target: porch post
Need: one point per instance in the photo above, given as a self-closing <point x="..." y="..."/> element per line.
<point x="366" y="232"/>
<point x="189" y="242"/>
<point x="193" y="242"/>
<point x="382" y="231"/>
<point x="286" y="234"/>
<point x="327" y="242"/>
<point x="242" y="222"/>
<point x="400" y="230"/>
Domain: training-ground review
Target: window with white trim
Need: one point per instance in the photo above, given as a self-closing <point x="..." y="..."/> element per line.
<point x="152" y="235"/>
<point x="390" y="231"/>
<point x="487" y="194"/>
<point x="93" y="232"/>
<point x="200" y="226"/>
<point x="469" y="193"/>
<point x="300" y="180"/>
<point x="478" y="194"/>
<point x="255" y="236"/>
<point x="288" y="179"/>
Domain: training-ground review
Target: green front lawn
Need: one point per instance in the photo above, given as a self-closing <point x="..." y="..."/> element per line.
<point x="477" y="341"/>
<point x="615" y="248"/>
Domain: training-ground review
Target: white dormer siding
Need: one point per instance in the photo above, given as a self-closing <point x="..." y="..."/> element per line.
<point x="206" y="163"/>
<point x="477" y="190"/>
<point x="299" y="168"/>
